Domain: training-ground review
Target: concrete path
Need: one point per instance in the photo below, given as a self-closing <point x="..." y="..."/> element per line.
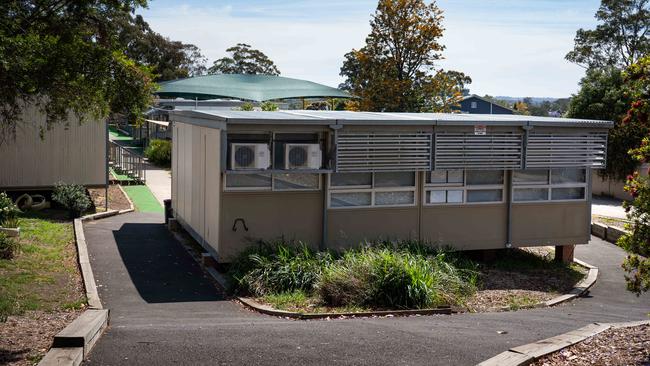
<point x="164" y="311"/>
<point x="608" y="207"/>
<point x="159" y="181"/>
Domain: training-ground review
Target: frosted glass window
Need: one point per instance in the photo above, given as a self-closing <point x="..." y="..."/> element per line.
<point x="484" y="195"/>
<point x="573" y="193"/>
<point x="438" y="177"/>
<point x="284" y="182"/>
<point x="454" y="196"/>
<point x="399" y="179"/>
<point x="351" y="179"/>
<point x="454" y="176"/>
<point x="394" y="198"/>
<point x="437" y="197"/>
<point x="530" y="176"/>
<point x="350" y="199"/>
<point x="530" y="194"/>
<point x="484" y="177"/>
<point x="248" y="181"/>
<point x="568" y="175"/>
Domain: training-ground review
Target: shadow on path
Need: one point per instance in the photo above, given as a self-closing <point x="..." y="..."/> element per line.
<point x="161" y="270"/>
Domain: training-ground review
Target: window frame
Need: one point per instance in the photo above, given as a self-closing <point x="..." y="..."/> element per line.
<point x="372" y="190"/>
<point x="464" y="187"/>
<point x="549" y="186"/>
<point x="270" y="188"/>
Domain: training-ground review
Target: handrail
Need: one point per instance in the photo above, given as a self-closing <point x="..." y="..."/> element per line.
<point x="126" y="162"/>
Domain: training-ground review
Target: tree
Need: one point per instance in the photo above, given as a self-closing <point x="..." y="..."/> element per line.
<point x="65" y="57"/>
<point x="244" y="60"/>
<point x="167" y="59"/>
<point x="521" y="107"/>
<point x="637" y="241"/>
<point x="394" y="71"/>
<point x="621" y="38"/>
<point x="605" y="95"/>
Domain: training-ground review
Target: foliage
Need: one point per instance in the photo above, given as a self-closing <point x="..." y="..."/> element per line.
<point x="167" y="59"/>
<point x="159" y="152"/>
<point x="619" y="40"/>
<point x="8" y="247"/>
<point x="277" y="267"/>
<point x="269" y="106"/>
<point x="248" y="106"/>
<point x="521" y="108"/>
<point x="65" y="57"/>
<point x="244" y="60"/>
<point x="73" y="197"/>
<point x="384" y="275"/>
<point x="8" y="210"/>
<point x="546" y="108"/>
<point x="394" y="71"/>
<point x="605" y="95"/>
<point x="637" y="242"/>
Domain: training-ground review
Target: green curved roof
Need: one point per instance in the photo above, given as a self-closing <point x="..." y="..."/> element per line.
<point x="258" y="88"/>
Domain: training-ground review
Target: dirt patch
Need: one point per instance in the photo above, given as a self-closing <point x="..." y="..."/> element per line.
<point x="116" y="199"/>
<point x="523" y="278"/>
<point x="622" y="346"/>
<point x="25" y="339"/>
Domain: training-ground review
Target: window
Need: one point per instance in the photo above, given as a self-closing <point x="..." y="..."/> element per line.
<point x="272" y="182"/>
<point x="474" y="105"/>
<point x="563" y="184"/>
<point x="372" y="189"/>
<point x="458" y="186"/>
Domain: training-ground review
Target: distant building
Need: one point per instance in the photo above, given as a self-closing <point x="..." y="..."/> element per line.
<point x="473" y="104"/>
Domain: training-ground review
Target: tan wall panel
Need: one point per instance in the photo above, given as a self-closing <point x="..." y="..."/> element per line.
<point x="272" y="215"/>
<point x="351" y="227"/>
<point x="550" y="224"/>
<point x="212" y="186"/>
<point x="72" y="154"/>
<point x="466" y="227"/>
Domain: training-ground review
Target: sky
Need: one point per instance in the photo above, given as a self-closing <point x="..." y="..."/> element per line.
<point x="507" y="47"/>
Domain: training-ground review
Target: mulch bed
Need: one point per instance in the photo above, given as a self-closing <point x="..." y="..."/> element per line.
<point x="25" y="339"/>
<point x="622" y="346"/>
<point x="116" y="199"/>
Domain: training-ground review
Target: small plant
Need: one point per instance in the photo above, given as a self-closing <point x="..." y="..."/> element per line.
<point x="73" y="197"/>
<point x="8" y="247"/>
<point x="8" y="211"/>
<point x="269" y="107"/>
<point x="159" y="152"/>
<point x="248" y="106"/>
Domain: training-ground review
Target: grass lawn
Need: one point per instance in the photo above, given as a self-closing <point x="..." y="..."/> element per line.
<point x="44" y="275"/>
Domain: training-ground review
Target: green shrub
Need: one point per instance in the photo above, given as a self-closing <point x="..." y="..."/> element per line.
<point x="8" y="211"/>
<point x="8" y="247"/>
<point x="277" y="267"/>
<point x="159" y="152"/>
<point x="73" y="197"/>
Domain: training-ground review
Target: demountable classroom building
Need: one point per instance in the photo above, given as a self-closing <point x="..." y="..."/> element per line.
<point x="336" y="179"/>
<point x="38" y="157"/>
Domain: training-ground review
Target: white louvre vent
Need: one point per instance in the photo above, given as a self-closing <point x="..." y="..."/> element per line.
<point x="566" y="150"/>
<point x="468" y="151"/>
<point x="374" y="152"/>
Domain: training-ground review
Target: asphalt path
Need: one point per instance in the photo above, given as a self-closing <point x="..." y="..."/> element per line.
<point x="164" y="310"/>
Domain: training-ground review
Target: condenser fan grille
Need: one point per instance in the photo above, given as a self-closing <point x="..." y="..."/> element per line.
<point x="297" y="156"/>
<point x="244" y="156"/>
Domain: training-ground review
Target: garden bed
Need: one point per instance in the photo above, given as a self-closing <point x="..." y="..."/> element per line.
<point x="402" y="277"/>
<point x="116" y="198"/>
<point x="615" y="346"/>
<point x="41" y="289"/>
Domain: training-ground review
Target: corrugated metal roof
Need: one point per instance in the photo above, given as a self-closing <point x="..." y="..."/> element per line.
<point x="257" y="88"/>
<point x="383" y="118"/>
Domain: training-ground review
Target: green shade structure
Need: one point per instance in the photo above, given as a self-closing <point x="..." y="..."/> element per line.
<point x="257" y="88"/>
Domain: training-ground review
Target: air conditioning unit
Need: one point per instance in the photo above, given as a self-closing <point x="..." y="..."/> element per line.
<point x="250" y="156"/>
<point x="302" y="156"/>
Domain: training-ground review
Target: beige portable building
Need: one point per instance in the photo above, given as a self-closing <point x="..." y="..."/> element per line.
<point x="69" y="152"/>
<point x="336" y="179"/>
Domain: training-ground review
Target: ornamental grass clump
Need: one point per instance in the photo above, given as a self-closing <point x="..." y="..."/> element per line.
<point x="272" y="268"/>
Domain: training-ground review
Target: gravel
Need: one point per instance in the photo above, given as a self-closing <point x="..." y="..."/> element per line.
<point x="622" y="346"/>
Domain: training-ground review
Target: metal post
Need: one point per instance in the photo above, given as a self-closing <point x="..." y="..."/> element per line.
<point x="107" y="165"/>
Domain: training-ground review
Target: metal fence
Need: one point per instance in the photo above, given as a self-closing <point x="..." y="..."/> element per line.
<point x="126" y="162"/>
